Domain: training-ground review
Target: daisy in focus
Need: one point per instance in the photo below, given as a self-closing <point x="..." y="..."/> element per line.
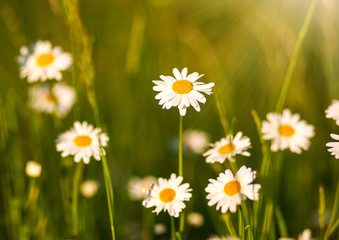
<point x="168" y="195"/>
<point x="43" y="62"/>
<point x="83" y="141"/>
<point x="334" y="146"/>
<point x="227" y="190"/>
<point x="195" y="140"/>
<point x="58" y="100"/>
<point x="333" y="111"/>
<point x="287" y="131"/>
<point x="227" y="148"/>
<point x="182" y="91"/>
<point x="136" y="187"/>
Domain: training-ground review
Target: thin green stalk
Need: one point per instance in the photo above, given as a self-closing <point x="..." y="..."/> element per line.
<point x="295" y="54"/>
<point x="333" y="218"/>
<point x="222" y="113"/>
<point x="281" y="222"/>
<point x="228" y="223"/>
<point x="172" y="228"/>
<point x="180" y="146"/>
<point x="79" y="167"/>
<point x="109" y="193"/>
<point x="180" y="158"/>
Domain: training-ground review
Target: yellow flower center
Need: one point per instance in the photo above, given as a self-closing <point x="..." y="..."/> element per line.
<point x="182" y="86"/>
<point x="232" y="187"/>
<point x="286" y="130"/>
<point x="167" y="195"/>
<point x="82" y="141"/>
<point x="45" y="59"/>
<point x="50" y="98"/>
<point x="227" y="148"/>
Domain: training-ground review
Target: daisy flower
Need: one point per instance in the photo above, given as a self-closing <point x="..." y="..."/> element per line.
<point x="168" y="195"/>
<point x="181" y="91"/>
<point x="43" y="62"/>
<point x="82" y="141"/>
<point x="58" y="100"/>
<point x="227" y="191"/>
<point x="305" y="235"/>
<point x="287" y="131"/>
<point x="195" y="140"/>
<point x="333" y="111"/>
<point x="136" y="187"/>
<point x="227" y="148"/>
<point x="334" y="146"/>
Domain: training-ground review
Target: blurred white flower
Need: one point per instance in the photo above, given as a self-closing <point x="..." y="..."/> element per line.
<point x="195" y="219"/>
<point x="227" y="148"/>
<point x="333" y="111"/>
<point x="227" y="191"/>
<point x="89" y="188"/>
<point x="33" y="169"/>
<point x="82" y="141"/>
<point x="305" y="235"/>
<point x="160" y="229"/>
<point x="58" y="100"/>
<point x="168" y="195"/>
<point x="43" y="62"/>
<point x="286" y="130"/>
<point x="136" y="187"/>
<point x="181" y="91"/>
<point x="195" y="140"/>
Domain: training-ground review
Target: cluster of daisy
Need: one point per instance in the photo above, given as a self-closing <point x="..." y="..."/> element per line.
<point x="285" y="130"/>
<point x="333" y="112"/>
<point x="41" y="62"/>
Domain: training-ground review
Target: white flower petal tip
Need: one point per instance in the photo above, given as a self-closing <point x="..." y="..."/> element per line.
<point x="182" y="91"/>
<point x="42" y="62"/>
<point x="82" y="141"/>
<point x="333" y="111"/>
<point x="168" y="195"/>
<point x="227" y="148"/>
<point x="333" y="147"/>
<point x="286" y="130"/>
<point x="227" y="191"/>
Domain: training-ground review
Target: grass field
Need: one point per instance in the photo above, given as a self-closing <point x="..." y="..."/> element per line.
<point x="263" y="56"/>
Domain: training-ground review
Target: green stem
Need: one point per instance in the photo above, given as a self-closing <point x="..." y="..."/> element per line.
<point x="334" y="214"/>
<point x="109" y="193"/>
<point x="281" y="222"/>
<point x="180" y="145"/>
<point x="295" y="54"/>
<point x="172" y="228"/>
<point x="79" y="167"/>
<point x="182" y="215"/>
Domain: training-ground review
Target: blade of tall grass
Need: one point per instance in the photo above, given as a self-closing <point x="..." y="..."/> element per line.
<point x="294" y="58"/>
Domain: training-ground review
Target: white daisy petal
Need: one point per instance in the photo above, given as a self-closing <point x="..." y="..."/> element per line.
<point x="227" y="191"/>
<point x="168" y="195"/>
<point x="43" y="62"/>
<point x="286" y="130"/>
<point x="82" y="141"/>
<point x="227" y="148"/>
<point x="181" y="91"/>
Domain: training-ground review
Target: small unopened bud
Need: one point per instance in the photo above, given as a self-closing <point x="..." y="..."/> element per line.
<point x="89" y="188"/>
<point x="195" y="219"/>
<point x="33" y="169"/>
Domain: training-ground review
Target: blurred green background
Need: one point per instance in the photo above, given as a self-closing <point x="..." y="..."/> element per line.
<point x="242" y="46"/>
